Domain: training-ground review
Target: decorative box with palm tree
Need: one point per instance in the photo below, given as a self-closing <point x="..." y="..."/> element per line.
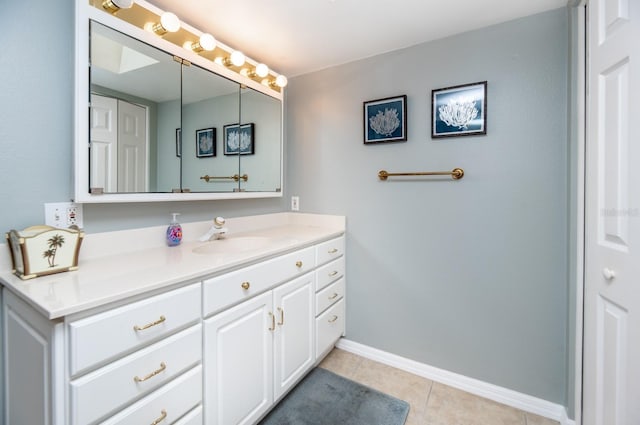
<point x="42" y="250"/>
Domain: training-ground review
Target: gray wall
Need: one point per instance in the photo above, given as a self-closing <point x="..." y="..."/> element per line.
<point x="469" y="276"/>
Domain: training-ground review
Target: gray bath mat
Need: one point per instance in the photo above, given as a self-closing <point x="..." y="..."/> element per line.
<point x="324" y="398"/>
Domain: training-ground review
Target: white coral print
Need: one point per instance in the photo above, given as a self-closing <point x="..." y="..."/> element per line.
<point x="241" y="140"/>
<point x="385" y="123"/>
<point x="232" y="140"/>
<point x="458" y="112"/>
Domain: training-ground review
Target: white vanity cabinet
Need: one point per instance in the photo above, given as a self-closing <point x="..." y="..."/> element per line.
<point x="256" y="350"/>
<point x="221" y="351"/>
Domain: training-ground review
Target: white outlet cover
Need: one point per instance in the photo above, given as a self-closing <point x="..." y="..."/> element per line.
<point x="63" y="214"/>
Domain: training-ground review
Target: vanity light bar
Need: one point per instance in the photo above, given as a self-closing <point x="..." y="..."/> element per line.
<point x="202" y="43"/>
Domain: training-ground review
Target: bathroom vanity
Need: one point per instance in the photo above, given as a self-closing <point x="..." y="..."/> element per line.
<point x="204" y="333"/>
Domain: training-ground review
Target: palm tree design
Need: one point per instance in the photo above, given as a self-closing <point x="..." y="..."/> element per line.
<point x="54" y="242"/>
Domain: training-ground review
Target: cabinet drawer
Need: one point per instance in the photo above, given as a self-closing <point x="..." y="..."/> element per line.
<point x="329" y="295"/>
<point x="194" y="417"/>
<point x="165" y="405"/>
<point x="329" y="250"/>
<point x="329" y="273"/>
<point x="113" y="386"/>
<point x="329" y="327"/>
<point x="105" y="335"/>
<point x="234" y="287"/>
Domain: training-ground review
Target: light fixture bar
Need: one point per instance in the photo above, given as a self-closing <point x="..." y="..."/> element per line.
<point x="147" y="16"/>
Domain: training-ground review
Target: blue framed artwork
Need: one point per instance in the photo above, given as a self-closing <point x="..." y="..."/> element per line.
<point x="239" y="139"/>
<point x="206" y="142"/>
<point x="459" y="110"/>
<point x="385" y="120"/>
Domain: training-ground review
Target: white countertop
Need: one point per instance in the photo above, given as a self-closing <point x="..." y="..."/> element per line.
<point x="117" y="265"/>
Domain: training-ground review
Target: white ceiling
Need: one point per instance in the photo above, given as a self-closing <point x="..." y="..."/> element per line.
<point x="296" y="37"/>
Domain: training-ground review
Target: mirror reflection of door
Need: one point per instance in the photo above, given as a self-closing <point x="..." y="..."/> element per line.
<point x="118" y="145"/>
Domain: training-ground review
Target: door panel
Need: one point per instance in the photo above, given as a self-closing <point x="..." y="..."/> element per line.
<point x="132" y="147"/>
<point x="238" y="363"/>
<point x="611" y="351"/>
<point x="294" y="336"/>
<point x="104" y="143"/>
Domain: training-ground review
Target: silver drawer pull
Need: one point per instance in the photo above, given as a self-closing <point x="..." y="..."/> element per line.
<point x="332" y="251"/>
<point x="163" y="415"/>
<point x="333" y="319"/>
<point x="333" y="273"/>
<point x="149" y="325"/>
<point x="162" y="367"/>
<point x="333" y="297"/>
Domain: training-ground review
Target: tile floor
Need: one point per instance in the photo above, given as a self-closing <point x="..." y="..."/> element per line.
<point x="431" y="403"/>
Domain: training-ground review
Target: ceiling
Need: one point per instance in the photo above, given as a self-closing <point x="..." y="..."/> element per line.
<point x="296" y="37"/>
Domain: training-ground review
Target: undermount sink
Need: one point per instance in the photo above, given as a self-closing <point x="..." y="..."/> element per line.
<point x="233" y="245"/>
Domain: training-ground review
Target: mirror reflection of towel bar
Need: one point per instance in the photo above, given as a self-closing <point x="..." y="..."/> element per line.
<point x="235" y="178"/>
<point x="456" y="174"/>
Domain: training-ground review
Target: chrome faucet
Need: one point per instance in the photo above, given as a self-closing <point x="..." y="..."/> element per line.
<point x="217" y="231"/>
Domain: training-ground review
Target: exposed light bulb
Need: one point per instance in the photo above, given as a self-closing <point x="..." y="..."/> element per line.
<point x="207" y="42"/>
<point x="114" y="5"/>
<point x="168" y="23"/>
<point x="262" y="70"/>
<point x="281" y="81"/>
<point x="237" y="58"/>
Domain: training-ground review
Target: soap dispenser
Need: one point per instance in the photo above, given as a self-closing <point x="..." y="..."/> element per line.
<point x="174" y="231"/>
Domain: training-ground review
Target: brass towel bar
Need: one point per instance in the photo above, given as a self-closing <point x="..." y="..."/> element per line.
<point x="235" y="178"/>
<point x="456" y="174"/>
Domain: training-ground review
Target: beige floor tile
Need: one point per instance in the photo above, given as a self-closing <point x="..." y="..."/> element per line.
<point x="431" y="403"/>
<point x="539" y="420"/>
<point x="342" y="363"/>
<point x="397" y="383"/>
<point x="449" y="406"/>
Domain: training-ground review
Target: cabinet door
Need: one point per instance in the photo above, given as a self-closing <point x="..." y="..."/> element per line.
<point x="294" y="335"/>
<point x="238" y="363"/>
<point x="33" y="382"/>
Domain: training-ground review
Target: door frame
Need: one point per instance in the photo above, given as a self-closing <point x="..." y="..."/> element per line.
<point x="579" y="86"/>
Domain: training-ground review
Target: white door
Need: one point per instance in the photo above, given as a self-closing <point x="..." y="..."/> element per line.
<point x="239" y="363"/>
<point x="132" y="147"/>
<point x="611" y="368"/>
<point x="294" y="335"/>
<point x="104" y="143"/>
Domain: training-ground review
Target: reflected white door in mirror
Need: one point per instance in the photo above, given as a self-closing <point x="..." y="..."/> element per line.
<point x="118" y="161"/>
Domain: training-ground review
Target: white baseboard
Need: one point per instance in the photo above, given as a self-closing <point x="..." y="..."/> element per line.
<point x="480" y="388"/>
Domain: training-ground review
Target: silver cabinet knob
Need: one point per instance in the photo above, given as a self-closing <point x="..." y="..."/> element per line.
<point x="608" y="273"/>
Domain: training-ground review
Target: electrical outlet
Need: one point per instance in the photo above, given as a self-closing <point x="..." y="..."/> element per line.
<point x="295" y="203"/>
<point x="63" y="214"/>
